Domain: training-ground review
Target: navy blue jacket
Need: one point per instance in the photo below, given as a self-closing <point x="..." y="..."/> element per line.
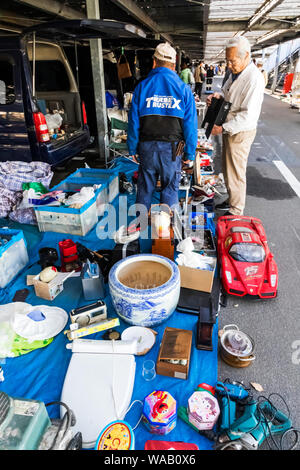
<point x="163" y="109"/>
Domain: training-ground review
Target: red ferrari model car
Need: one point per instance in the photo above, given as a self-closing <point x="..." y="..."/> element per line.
<point x="247" y="264"/>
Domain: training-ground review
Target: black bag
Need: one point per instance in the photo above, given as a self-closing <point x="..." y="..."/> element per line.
<point x="216" y="114"/>
<point x="121" y="250"/>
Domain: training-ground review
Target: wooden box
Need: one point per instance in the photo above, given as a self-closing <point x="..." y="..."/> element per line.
<point x="164" y="246"/>
<point x="175" y="346"/>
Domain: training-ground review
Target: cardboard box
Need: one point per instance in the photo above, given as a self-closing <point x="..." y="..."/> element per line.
<point x="197" y="279"/>
<point x="50" y="290"/>
<point x="175" y="346"/>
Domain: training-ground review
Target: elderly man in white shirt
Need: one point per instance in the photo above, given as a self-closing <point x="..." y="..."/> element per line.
<point x="244" y="89"/>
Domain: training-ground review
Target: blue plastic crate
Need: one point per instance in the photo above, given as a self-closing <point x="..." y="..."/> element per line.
<point x="208" y="221"/>
<point x="64" y="219"/>
<point x="71" y="184"/>
<point x="13" y="255"/>
<point x="98" y="176"/>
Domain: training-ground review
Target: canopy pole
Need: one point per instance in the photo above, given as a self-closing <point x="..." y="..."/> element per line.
<point x="93" y="12"/>
<point x="33" y="64"/>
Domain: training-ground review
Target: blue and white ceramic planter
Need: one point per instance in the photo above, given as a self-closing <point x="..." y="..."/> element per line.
<point x="145" y="307"/>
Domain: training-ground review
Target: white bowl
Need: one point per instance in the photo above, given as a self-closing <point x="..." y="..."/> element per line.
<point x="143" y="293"/>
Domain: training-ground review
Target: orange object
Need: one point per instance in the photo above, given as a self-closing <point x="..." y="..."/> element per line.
<point x="287" y="84"/>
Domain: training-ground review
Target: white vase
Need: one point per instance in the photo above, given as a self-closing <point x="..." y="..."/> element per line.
<point x="144" y="289"/>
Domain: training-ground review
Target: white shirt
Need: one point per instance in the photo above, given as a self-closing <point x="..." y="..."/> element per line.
<point x="246" y="94"/>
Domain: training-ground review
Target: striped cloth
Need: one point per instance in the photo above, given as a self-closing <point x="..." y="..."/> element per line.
<point x="14" y="174"/>
<point x="12" y="177"/>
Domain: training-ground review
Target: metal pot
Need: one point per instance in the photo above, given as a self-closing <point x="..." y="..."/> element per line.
<point x="236" y="347"/>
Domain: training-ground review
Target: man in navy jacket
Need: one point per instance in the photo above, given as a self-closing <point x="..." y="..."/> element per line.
<point x="162" y="114"/>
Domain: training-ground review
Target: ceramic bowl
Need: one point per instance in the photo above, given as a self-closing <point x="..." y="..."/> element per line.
<point x="145" y="289"/>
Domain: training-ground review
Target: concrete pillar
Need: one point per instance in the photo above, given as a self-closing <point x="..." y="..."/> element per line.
<point x="93" y="12"/>
<point x="275" y="78"/>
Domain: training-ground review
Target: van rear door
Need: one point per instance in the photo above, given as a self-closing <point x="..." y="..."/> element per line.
<point x="86" y="29"/>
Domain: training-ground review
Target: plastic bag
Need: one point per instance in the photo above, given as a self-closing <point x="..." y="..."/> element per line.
<point x="54" y="121"/>
<point x="78" y="200"/>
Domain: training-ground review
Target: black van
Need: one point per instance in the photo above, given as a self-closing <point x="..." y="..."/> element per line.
<point x="42" y="117"/>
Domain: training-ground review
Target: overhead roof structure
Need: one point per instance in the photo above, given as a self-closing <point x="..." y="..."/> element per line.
<point x="263" y="22"/>
<point x="199" y="28"/>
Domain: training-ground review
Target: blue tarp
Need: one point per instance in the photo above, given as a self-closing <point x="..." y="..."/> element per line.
<point x="40" y="374"/>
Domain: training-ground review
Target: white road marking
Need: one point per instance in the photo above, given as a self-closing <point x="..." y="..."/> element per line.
<point x="288" y="175"/>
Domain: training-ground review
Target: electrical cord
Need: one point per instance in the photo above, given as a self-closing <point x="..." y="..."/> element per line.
<point x="65" y="424"/>
<point x="297" y="434"/>
<point x="268" y="420"/>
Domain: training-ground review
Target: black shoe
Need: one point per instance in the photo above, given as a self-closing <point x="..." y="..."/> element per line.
<point x="224" y="206"/>
<point x="225" y="214"/>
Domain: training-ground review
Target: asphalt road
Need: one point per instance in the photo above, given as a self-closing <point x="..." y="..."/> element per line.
<point x="273" y="324"/>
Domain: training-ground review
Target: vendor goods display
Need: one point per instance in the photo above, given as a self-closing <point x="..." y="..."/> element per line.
<point x="99" y="384"/>
<point x="48" y="257"/>
<point x="50" y="290"/>
<point x="76" y="192"/>
<point x="203" y="409"/>
<point x="247" y="264"/>
<point x="144" y="337"/>
<point x="246" y="424"/>
<point x="89" y="314"/>
<point x="25" y="425"/>
<point x="145" y="289"/>
<point x="160" y="412"/>
<point x="97" y="176"/>
<point x="117" y="435"/>
<point x="205" y="324"/>
<point x="69" y="256"/>
<point x="92" y="281"/>
<point x="169" y="445"/>
<point x="13" y="255"/>
<point x="236" y="347"/>
<point x="48" y="274"/>
<point x="196" y="271"/>
<point x="123" y="250"/>
<point x="174" y="355"/>
<point x="203" y="240"/>
<point x="78" y="331"/>
<point x="198" y="220"/>
<point x="24" y="328"/>
<point x="80" y="204"/>
<point x="68" y="220"/>
<point x="162" y="233"/>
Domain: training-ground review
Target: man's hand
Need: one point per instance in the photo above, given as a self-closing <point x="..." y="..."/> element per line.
<point x="213" y="95"/>
<point x="134" y="158"/>
<point x="216" y="130"/>
<point x="188" y="163"/>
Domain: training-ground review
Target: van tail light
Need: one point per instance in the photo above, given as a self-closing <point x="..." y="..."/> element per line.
<point x="84" y="116"/>
<point x="41" y="127"/>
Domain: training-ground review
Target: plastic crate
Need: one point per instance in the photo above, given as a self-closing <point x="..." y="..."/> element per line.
<point x="64" y="219"/>
<point x="208" y="221"/>
<point x="13" y="255"/>
<point x="73" y="184"/>
<point x="111" y="177"/>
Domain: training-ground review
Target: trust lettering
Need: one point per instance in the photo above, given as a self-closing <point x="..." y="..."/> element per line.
<point x="163" y="102"/>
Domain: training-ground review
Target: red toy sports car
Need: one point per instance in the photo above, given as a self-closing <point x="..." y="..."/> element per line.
<point x="247" y="264"/>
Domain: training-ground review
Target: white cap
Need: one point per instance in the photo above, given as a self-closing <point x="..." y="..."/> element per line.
<point x="165" y="52"/>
